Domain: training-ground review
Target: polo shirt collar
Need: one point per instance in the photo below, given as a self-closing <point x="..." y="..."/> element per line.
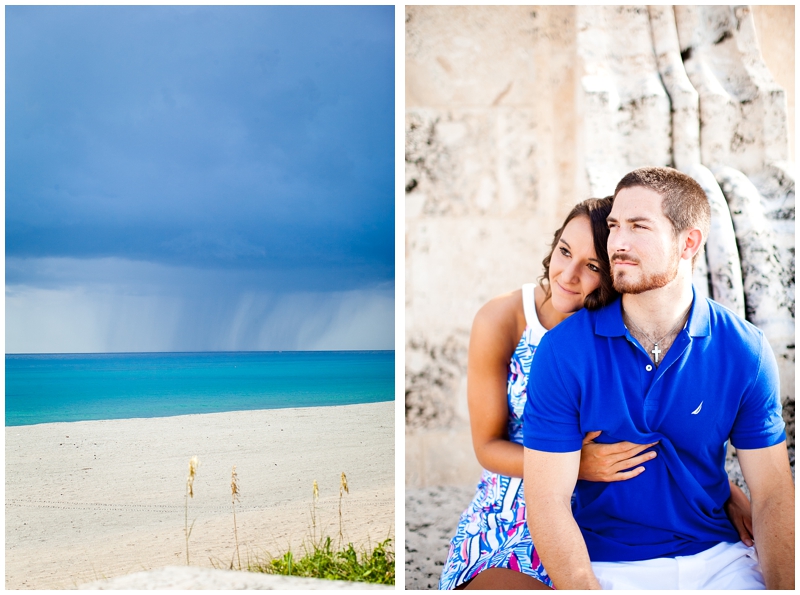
<point x="609" y="319"/>
<point x="699" y="324"/>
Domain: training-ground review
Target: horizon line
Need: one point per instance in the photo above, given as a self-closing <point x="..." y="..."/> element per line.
<point x="207" y="351"/>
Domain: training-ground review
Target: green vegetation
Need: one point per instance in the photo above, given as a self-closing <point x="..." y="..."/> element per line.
<point x="344" y="563"/>
<point x="376" y="566"/>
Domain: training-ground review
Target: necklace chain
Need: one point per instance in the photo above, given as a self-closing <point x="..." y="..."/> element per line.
<point x="656" y="351"/>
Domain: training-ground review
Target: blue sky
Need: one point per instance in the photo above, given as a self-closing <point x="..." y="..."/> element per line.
<point x="199" y="178"/>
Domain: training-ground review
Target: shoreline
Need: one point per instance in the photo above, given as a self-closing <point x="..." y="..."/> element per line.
<point x="193" y="414"/>
<point x="94" y="499"/>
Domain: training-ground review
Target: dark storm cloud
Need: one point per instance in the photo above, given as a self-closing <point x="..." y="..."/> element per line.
<point x="255" y="137"/>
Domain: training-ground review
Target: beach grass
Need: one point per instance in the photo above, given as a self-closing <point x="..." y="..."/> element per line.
<point x="187" y="530"/>
<point x="322" y="560"/>
<point x="319" y="558"/>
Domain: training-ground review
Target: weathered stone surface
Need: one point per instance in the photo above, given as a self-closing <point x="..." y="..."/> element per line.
<point x="722" y="253"/>
<point x="466" y="162"/>
<point x="774" y="129"/>
<point x="432" y="376"/>
<point x="775" y="31"/>
<point x="459" y="56"/>
<point x="769" y="305"/>
<point x="490" y="127"/>
<point x="626" y="111"/>
<point x="766" y="278"/>
<point x="682" y="95"/>
<point x="446" y="455"/>
<point x="775" y="184"/>
<point x="742" y="109"/>
<point x="190" y="577"/>
<point x="454" y="266"/>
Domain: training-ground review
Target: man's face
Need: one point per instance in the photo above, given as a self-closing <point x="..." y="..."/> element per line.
<point x="642" y="248"/>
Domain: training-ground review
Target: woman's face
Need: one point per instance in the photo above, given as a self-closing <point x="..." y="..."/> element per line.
<point x="574" y="267"/>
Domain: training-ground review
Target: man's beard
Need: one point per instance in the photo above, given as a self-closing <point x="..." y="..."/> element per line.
<point x="647" y="282"/>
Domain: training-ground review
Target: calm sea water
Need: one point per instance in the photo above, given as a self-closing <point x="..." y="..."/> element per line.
<point x="75" y="387"/>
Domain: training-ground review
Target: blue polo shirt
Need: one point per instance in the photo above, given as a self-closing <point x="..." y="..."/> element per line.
<point x="718" y="380"/>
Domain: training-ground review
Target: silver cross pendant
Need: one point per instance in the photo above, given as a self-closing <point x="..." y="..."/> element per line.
<point x="656" y="352"/>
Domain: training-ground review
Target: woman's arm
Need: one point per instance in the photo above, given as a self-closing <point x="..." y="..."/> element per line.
<point x="495" y="333"/>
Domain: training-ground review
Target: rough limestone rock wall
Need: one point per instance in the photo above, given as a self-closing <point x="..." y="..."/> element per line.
<point x="626" y="110"/>
<point x="490" y="171"/>
<point x="768" y="275"/>
<point x="683" y="96"/>
<point x="513" y="114"/>
<point x="722" y="253"/>
<point x="742" y="109"/>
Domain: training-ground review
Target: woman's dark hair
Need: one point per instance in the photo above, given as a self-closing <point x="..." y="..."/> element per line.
<point x="596" y="210"/>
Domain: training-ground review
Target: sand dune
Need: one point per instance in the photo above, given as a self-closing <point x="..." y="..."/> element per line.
<point x="90" y="500"/>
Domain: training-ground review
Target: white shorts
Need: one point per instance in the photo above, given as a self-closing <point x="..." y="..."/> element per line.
<point x="724" y="566"/>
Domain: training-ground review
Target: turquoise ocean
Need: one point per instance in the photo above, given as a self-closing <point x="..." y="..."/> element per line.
<point x="77" y="387"/>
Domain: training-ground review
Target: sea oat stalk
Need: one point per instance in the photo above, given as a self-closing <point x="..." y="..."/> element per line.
<point x="234" y="497"/>
<point x="342" y="489"/>
<point x="314" y="498"/>
<point x="193" y="464"/>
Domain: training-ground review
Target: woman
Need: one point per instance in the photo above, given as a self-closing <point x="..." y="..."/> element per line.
<point x="492" y="547"/>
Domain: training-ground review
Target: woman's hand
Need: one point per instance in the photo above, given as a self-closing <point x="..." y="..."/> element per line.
<point x="737" y="508"/>
<point x="612" y="462"/>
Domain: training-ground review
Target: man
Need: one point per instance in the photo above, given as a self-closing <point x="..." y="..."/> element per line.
<point x="658" y="365"/>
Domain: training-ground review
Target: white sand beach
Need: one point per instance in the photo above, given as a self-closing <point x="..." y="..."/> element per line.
<point x="97" y="499"/>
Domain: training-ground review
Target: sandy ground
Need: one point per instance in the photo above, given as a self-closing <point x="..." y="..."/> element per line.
<point x="93" y="500"/>
<point x="431" y="520"/>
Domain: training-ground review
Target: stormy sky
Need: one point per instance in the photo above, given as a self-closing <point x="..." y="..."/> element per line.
<point x="199" y="178"/>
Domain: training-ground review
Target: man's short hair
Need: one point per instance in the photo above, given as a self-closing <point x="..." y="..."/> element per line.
<point x="684" y="201"/>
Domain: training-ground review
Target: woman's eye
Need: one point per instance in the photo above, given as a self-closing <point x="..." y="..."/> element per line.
<point x="564" y="251"/>
<point x="593" y="268"/>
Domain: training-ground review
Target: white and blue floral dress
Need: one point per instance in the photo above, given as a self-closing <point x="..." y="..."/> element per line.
<point x="492" y="531"/>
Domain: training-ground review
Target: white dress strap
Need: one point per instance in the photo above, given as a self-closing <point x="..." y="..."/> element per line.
<point x="531" y="318"/>
<point x="529" y="303"/>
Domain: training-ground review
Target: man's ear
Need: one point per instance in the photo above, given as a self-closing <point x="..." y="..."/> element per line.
<point x="692" y="241"/>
